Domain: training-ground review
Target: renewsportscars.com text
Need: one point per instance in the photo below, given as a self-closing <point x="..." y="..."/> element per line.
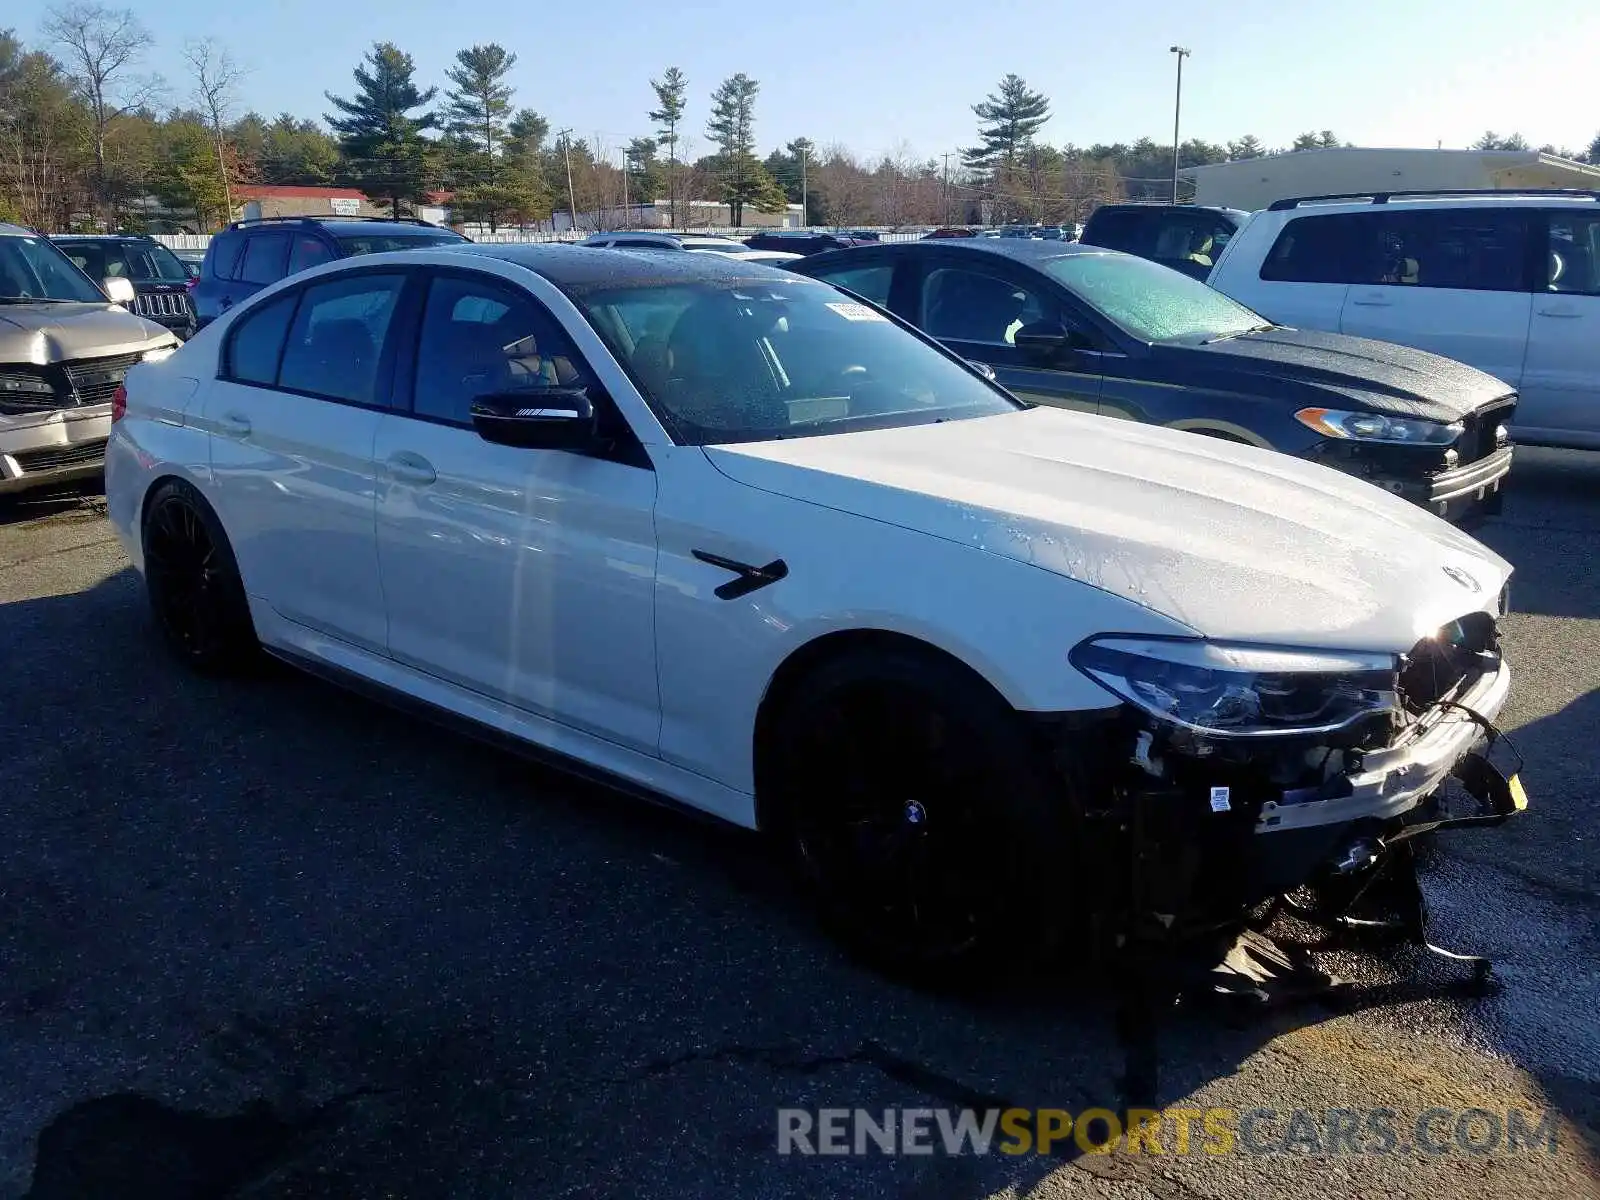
<point x="1213" y="1131"/>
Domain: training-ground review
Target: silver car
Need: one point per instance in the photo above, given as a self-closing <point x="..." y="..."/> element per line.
<point x="65" y="345"/>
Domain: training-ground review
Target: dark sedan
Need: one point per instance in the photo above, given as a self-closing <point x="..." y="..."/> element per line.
<point x="1104" y="332"/>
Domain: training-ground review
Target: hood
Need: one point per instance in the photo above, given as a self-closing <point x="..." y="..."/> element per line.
<point x="48" y="333"/>
<point x="1392" y="379"/>
<point x="1232" y="541"/>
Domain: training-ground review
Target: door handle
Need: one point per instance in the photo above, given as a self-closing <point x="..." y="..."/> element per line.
<point x="1567" y="313"/>
<point x="1372" y="301"/>
<point x="235" y="423"/>
<point x="410" y="468"/>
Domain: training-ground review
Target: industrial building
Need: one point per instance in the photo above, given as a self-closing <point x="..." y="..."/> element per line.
<point x="1252" y="183"/>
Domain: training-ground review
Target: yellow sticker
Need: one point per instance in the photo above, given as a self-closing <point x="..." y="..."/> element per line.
<point x="1519" y="796"/>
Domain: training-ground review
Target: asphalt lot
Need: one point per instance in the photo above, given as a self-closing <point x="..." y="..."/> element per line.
<point x="267" y="940"/>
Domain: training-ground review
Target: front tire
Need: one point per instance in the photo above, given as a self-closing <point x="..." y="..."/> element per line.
<point x="921" y="817"/>
<point x="192" y="580"/>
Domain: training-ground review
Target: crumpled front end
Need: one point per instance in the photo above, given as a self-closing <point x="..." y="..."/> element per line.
<point x="1186" y="828"/>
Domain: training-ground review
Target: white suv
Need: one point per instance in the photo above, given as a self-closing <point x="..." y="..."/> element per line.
<point x="1508" y="282"/>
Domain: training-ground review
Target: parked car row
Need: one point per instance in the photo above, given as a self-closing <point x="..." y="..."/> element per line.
<point x="1074" y="326"/>
<point x="737" y="538"/>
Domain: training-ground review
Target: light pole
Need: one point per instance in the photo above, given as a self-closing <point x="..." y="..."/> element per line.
<point x="805" y="196"/>
<point x="566" y="153"/>
<point x="1177" y="110"/>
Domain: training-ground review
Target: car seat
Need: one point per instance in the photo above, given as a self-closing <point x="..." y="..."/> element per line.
<point x="720" y="378"/>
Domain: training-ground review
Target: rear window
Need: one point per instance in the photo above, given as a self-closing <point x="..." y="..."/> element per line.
<point x="224" y="255"/>
<point x="1120" y="229"/>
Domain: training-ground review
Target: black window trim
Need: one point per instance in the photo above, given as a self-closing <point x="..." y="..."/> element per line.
<point x="1534" y="238"/>
<point x="383" y="382"/>
<point x="627" y="450"/>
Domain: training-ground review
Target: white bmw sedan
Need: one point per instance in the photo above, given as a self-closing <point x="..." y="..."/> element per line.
<point x="738" y="540"/>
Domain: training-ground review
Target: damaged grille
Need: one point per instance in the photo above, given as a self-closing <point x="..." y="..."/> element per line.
<point x="94" y="380"/>
<point x="1477" y="430"/>
<point x="1437" y="665"/>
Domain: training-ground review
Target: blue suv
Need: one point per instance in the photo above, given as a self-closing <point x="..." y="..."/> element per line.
<point x="249" y="255"/>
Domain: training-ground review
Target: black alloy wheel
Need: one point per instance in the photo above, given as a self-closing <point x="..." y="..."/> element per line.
<point x="920" y="821"/>
<point x="193" y="582"/>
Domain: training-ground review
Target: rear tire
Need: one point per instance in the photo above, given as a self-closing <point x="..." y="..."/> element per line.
<point x="193" y="583"/>
<point x="920" y="816"/>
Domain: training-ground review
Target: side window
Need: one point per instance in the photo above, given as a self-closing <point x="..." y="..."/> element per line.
<point x="480" y="337"/>
<point x="307" y="252"/>
<point x="1475" y="249"/>
<point x="256" y="343"/>
<point x="872" y="282"/>
<point x="1574" y="254"/>
<point x="966" y="306"/>
<point x="337" y="337"/>
<point x="1339" y="248"/>
<point x="91" y="260"/>
<point x="265" y="258"/>
<point x="224" y="254"/>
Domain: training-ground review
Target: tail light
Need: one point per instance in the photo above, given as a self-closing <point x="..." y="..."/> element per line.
<point x="119" y="403"/>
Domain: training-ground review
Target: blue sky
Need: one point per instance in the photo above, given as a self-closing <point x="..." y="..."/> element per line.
<point x="874" y="77"/>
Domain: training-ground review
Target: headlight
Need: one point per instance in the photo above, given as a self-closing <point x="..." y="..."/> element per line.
<point x="1375" y="427"/>
<point x="158" y="354"/>
<point x="1241" y="691"/>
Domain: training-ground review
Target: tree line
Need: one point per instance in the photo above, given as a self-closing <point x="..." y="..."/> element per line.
<point x="86" y="135"/>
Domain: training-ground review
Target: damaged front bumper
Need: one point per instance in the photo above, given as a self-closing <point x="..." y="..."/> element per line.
<point x="1187" y="830"/>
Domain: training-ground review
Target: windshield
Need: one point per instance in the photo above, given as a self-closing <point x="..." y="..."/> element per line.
<point x="1152" y="302"/>
<point x="381" y="243"/>
<point x="750" y="360"/>
<point x="32" y="269"/>
<point x="131" y="260"/>
<point x="155" y="261"/>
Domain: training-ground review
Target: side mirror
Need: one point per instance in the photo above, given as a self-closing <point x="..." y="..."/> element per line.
<point x="1049" y="340"/>
<point x="118" y="289"/>
<point x="548" y="418"/>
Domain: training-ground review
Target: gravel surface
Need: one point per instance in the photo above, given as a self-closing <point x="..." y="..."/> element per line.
<point x="263" y="939"/>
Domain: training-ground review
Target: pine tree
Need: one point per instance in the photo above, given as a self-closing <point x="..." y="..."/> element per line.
<point x="1594" y="151"/>
<point x="671" y="91"/>
<point x="1249" y="146"/>
<point x="478" y="105"/>
<point x="384" y="144"/>
<point x="1010" y="119"/>
<point x="732" y="127"/>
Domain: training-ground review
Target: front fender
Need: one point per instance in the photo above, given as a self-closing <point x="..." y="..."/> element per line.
<point x="1011" y="622"/>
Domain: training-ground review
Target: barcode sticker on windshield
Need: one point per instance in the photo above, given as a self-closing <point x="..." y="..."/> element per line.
<point x="857" y="312"/>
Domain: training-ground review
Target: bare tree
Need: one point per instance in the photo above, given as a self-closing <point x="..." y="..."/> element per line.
<point x="216" y="83"/>
<point x="101" y="45"/>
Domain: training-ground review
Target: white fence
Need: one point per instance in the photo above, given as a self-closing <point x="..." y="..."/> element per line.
<point x="199" y="241"/>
